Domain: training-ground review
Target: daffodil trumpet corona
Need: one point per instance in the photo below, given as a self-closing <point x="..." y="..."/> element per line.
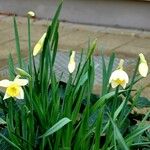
<point x="38" y="47"/>
<point x="119" y="77"/>
<point x="72" y="63"/>
<point x="143" y="67"/>
<point x="14" y="88"/>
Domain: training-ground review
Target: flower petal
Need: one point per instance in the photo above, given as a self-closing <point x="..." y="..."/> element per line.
<point x="124" y="76"/>
<point x="21" y="82"/>
<point x="119" y="77"/>
<point x="114" y="84"/>
<point x="124" y="85"/>
<point x="71" y="67"/>
<point x="143" y="69"/>
<point x="38" y="47"/>
<point x="142" y="58"/>
<point x="21" y="94"/>
<point x="5" y="83"/>
<point x="6" y="96"/>
<point x="72" y="64"/>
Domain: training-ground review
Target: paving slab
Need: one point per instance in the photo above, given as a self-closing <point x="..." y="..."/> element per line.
<point x="77" y="38"/>
<point x="6" y="36"/>
<point x="10" y="47"/>
<point x="134" y="47"/>
<point x="109" y="42"/>
<point x="36" y="32"/>
<point x="4" y="25"/>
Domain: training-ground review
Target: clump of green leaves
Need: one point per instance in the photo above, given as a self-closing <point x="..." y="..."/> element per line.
<point x="56" y="115"/>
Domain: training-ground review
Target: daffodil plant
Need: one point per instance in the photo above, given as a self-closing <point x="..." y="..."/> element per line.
<point x="38" y="111"/>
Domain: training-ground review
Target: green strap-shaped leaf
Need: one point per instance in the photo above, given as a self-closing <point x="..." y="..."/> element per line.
<point x="2" y="122"/>
<point x="104" y="99"/>
<point x="10" y="142"/>
<point x="118" y="110"/>
<point x="11" y="67"/>
<point x="56" y="127"/>
<point x="118" y="136"/>
<point x="136" y="132"/>
<point x="17" y="43"/>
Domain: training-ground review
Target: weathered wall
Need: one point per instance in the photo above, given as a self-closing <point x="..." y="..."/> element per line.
<point x="128" y="14"/>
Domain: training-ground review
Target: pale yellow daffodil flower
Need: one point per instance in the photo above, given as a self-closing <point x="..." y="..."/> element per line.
<point x="38" y="47"/>
<point x="143" y="67"/>
<point x="119" y="77"/>
<point x="72" y="64"/>
<point x="14" y="88"/>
